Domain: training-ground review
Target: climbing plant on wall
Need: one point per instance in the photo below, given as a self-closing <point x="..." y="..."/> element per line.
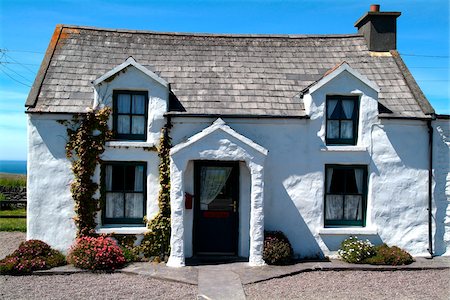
<point x="87" y="134"/>
<point x="156" y="243"/>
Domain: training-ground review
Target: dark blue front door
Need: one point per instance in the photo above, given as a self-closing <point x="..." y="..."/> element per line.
<point x="216" y="207"/>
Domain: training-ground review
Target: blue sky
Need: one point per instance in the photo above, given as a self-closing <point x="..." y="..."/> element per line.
<point x="26" y="28"/>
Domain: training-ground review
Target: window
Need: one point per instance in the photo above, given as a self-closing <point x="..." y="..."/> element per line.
<point x="345" y="195"/>
<point x="130" y="115"/>
<point x="124" y="193"/>
<point x="342" y="120"/>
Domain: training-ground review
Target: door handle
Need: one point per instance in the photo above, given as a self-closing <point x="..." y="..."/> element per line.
<point x="234" y="206"/>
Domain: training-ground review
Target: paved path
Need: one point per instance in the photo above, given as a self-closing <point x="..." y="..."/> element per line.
<point x="217" y="284"/>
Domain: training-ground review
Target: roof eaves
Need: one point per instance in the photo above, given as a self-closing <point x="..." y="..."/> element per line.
<point x="36" y="87"/>
<point x="422" y="101"/>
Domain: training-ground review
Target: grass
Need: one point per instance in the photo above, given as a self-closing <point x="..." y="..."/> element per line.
<point x="13" y="180"/>
<point x="13" y="224"/>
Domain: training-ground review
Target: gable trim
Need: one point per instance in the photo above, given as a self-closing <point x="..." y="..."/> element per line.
<point x="130" y="62"/>
<point x="336" y="72"/>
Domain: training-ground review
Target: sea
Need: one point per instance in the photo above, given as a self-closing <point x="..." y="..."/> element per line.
<point x="13" y="166"/>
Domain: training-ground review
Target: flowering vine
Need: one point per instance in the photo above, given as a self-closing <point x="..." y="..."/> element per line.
<point x="156" y="243"/>
<point x="87" y="135"/>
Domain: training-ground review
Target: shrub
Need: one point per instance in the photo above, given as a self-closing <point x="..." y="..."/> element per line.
<point x="96" y="253"/>
<point x="385" y="255"/>
<point x="356" y="251"/>
<point x="126" y="243"/>
<point x="31" y="255"/>
<point x="277" y="248"/>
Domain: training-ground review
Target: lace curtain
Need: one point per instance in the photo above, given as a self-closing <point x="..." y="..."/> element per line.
<point x="212" y="180"/>
<point x="351" y="208"/>
<point x="128" y="205"/>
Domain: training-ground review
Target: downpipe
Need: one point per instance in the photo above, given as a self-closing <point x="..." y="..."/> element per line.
<point x="430" y="188"/>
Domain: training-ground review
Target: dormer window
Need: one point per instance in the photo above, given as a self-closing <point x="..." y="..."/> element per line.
<point x="130" y="115"/>
<point x="342" y="120"/>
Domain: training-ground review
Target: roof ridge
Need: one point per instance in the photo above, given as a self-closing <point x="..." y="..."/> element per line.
<point x="204" y="34"/>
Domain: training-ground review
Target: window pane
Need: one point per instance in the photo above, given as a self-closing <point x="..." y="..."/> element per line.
<point x="134" y="205"/>
<point x="331" y="108"/>
<point x="337" y="182"/>
<point x="117" y="178"/>
<point x="139" y="179"/>
<point x="347" y="129"/>
<point x="334" y="207"/>
<point x="138" y="104"/>
<point x="138" y="125"/>
<point x="348" y="106"/>
<point x="114" y="205"/>
<point x="129" y="178"/>
<point x="333" y="129"/>
<point x="350" y="182"/>
<point x="123" y="103"/>
<point x="353" y="207"/>
<point x="123" y="124"/>
<point x="108" y="177"/>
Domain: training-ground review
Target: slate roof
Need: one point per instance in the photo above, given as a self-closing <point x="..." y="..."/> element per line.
<point x="252" y="75"/>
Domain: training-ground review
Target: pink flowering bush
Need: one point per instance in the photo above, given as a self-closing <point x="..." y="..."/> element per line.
<point x="96" y="253"/>
<point x="31" y="256"/>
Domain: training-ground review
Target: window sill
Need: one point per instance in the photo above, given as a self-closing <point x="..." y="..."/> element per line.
<point x="343" y="149"/>
<point x="129" y="144"/>
<point x="122" y="230"/>
<point x="348" y="231"/>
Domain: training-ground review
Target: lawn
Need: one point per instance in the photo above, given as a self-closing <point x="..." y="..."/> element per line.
<point x="13" y="180"/>
<point x="13" y="224"/>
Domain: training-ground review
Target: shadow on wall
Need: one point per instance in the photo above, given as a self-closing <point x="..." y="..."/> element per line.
<point x="54" y="135"/>
<point x="441" y="175"/>
<point x="289" y="220"/>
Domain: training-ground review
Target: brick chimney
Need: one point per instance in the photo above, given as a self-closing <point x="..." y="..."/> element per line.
<point x="379" y="29"/>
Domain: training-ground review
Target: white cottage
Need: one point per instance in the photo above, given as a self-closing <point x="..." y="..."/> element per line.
<point x="319" y="136"/>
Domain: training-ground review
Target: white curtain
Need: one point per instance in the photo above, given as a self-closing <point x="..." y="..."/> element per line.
<point x="123" y="103"/>
<point x="347" y="129"/>
<point x="114" y="205"/>
<point x="359" y="173"/>
<point x="329" y="178"/>
<point x="138" y="104"/>
<point x="134" y="205"/>
<point x="108" y="177"/>
<point x="334" y="207"/>
<point x="212" y="180"/>
<point x="331" y="106"/>
<point x="353" y="207"/>
<point x="138" y="125"/>
<point x="348" y="108"/>
<point x="139" y="179"/>
<point x="123" y="124"/>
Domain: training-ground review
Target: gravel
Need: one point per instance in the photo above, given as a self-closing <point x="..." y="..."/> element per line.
<point x="10" y="241"/>
<point x="92" y="286"/>
<point x="425" y="284"/>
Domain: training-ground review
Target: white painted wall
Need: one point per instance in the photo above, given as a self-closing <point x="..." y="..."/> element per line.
<point x="441" y="190"/>
<point x="394" y="151"/>
<point x="50" y="205"/>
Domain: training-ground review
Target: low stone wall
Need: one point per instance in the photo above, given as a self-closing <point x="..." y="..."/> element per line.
<point x="14" y="193"/>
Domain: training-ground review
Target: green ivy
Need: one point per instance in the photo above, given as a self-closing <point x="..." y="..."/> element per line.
<point x="87" y="135"/>
<point x="156" y="242"/>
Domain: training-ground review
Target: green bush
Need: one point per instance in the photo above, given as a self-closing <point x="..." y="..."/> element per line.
<point x="277" y="248"/>
<point x="356" y="251"/>
<point x="31" y="255"/>
<point x="2" y="197"/>
<point x="126" y="243"/>
<point x="385" y="255"/>
<point x="96" y="253"/>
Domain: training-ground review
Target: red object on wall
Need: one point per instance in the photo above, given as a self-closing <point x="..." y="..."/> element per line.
<point x="187" y="201"/>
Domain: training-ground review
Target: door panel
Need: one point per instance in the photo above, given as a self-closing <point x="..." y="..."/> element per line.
<point x="216" y="207"/>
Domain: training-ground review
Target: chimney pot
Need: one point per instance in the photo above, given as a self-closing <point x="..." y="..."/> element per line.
<point x="375" y="7"/>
